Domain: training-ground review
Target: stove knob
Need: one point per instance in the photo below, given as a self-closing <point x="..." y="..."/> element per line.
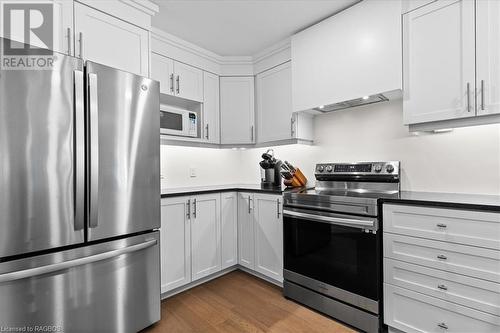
<point x="321" y="168"/>
<point x="389" y="168"/>
<point x="329" y="168"/>
<point x="378" y="168"/>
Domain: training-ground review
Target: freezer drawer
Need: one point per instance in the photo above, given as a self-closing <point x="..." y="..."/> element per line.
<point x="108" y="287"/>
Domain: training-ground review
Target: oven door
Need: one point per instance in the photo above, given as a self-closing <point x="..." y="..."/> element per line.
<point x="333" y="254"/>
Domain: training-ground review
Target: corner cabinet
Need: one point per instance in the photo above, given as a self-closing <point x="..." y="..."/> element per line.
<point x="275" y="118"/>
<point x="229" y="229"/>
<point x="107" y="40"/>
<point x="237" y="111"/>
<point x="451" y="68"/>
<point x="246" y="245"/>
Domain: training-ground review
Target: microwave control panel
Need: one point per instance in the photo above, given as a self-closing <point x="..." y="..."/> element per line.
<point x="193" y="124"/>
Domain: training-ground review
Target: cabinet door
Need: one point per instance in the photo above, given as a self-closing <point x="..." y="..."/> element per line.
<point x="488" y="56"/>
<point x="237" y="110"/>
<point x="188" y="82"/>
<point x="229" y="234"/>
<point x="246" y="244"/>
<point x="162" y="70"/>
<point x="439" y="73"/>
<point x="110" y="41"/>
<point x="175" y="243"/>
<point x="211" y="112"/>
<point x="269" y="235"/>
<point x="205" y="235"/>
<point x="274" y="104"/>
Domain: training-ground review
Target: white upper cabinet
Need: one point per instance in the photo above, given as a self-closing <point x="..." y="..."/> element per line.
<point x="205" y="235"/>
<point x="269" y="235"/>
<point x="188" y="82"/>
<point x="488" y="56"/>
<point x="237" y="110"/>
<point x="104" y="39"/>
<point x="176" y="78"/>
<point x="211" y="111"/>
<point x="439" y="66"/>
<point x="229" y="229"/>
<point x="162" y="70"/>
<point x="352" y="54"/>
<point x="274" y="104"/>
<point x="175" y="243"/>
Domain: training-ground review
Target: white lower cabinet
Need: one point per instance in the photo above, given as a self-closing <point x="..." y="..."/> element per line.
<point x="269" y="235"/>
<point x="441" y="269"/>
<point x="175" y="240"/>
<point x="260" y="234"/>
<point x="205" y="235"/>
<point x="229" y="230"/>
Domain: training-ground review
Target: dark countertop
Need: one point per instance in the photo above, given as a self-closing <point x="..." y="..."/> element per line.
<point x="175" y="192"/>
<point x="450" y="200"/>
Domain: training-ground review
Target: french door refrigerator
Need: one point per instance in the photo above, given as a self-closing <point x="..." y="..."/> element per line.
<point x="79" y="199"/>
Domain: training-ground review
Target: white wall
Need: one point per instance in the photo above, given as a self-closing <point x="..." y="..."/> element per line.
<point x="466" y="160"/>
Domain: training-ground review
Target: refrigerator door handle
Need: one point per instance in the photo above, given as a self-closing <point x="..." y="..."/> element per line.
<point x="79" y="185"/>
<point x="31" y="272"/>
<point x="94" y="150"/>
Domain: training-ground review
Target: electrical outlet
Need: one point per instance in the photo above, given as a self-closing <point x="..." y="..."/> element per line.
<point x="192" y="172"/>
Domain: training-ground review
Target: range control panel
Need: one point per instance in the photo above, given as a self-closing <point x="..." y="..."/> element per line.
<point x="358" y="169"/>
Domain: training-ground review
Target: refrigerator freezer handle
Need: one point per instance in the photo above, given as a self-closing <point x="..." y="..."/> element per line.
<point x="94" y="150"/>
<point x="31" y="272"/>
<point x="79" y="150"/>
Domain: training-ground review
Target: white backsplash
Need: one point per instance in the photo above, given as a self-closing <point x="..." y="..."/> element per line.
<point x="466" y="160"/>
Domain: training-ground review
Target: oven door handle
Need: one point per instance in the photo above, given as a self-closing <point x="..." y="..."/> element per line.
<point x="331" y="220"/>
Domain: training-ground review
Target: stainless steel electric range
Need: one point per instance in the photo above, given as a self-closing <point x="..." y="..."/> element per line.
<point x="332" y="243"/>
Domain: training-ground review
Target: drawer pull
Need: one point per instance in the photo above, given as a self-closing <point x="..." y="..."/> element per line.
<point x="442" y="257"/>
<point x="443" y="326"/>
<point x="442" y="287"/>
<point x="441" y="225"/>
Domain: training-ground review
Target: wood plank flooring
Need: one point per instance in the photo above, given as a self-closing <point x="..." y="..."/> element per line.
<point x="239" y="302"/>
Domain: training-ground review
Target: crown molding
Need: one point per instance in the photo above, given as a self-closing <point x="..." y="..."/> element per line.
<point x="145" y="6"/>
<point x="242" y="63"/>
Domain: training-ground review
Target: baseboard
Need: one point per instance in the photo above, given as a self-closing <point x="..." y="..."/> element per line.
<point x="225" y="271"/>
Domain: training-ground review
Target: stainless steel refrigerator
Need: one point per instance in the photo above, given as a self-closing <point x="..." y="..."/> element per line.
<point x="79" y="198"/>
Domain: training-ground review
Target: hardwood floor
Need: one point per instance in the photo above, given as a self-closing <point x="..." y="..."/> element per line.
<point x="239" y="302"/>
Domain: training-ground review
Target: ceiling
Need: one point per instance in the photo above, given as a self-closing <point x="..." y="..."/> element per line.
<point x="241" y="27"/>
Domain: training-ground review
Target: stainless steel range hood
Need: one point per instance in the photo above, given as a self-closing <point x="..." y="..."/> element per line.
<point x="352" y="103"/>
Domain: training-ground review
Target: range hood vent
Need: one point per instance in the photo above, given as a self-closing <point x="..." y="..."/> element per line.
<point x="352" y="103"/>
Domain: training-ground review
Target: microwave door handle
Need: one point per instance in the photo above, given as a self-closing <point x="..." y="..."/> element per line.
<point x="94" y="150"/>
<point x="358" y="223"/>
<point x="79" y="150"/>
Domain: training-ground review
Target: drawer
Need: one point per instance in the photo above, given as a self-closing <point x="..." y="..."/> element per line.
<point x="475" y="293"/>
<point x="410" y="311"/>
<point x="462" y="259"/>
<point x="450" y="225"/>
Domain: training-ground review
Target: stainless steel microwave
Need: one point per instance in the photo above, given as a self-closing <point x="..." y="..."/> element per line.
<point x="175" y="121"/>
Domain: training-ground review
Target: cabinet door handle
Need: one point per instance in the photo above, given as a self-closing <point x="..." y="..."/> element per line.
<point x="443" y="326"/>
<point x="194" y="208"/>
<point x="80" y="42"/>
<point x="172" y="83"/>
<point x="482" y="95"/>
<point x="251" y="133"/>
<point x="178" y="80"/>
<point x="441" y="225"/>
<point x="249" y="205"/>
<point x="207" y="136"/>
<point x="442" y="287"/>
<point x="278" y="207"/>
<point x="189" y="209"/>
<point x="442" y="257"/>
<point x="468" y="97"/>
<point x="291" y="127"/>
<point x="68" y="31"/>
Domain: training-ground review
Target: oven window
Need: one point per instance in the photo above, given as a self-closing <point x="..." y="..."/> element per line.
<point x="171" y="120"/>
<point x="340" y="256"/>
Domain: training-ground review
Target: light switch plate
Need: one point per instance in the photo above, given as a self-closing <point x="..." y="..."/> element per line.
<point x="192" y="172"/>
